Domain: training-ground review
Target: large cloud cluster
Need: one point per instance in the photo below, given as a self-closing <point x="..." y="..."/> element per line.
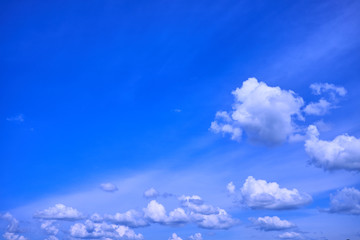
<point x="90" y="230"/>
<point x="264" y="113"/>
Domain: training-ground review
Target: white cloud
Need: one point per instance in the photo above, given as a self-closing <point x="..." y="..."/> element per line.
<point x="17" y="118"/>
<point x="51" y="238"/>
<point x="151" y="193"/>
<point x="196" y="204"/>
<point x="271" y="223"/>
<point x="174" y="236"/>
<point x="259" y="194"/>
<point x="343" y="152"/>
<point x="156" y="212"/>
<point x="95" y="217"/>
<point x="264" y="113"/>
<point x="221" y="220"/>
<point x="196" y="236"/>
<point x="319" y="108"/>
<point x="319" y="88"/>
<point x="130" y="218"/>
<point x="13" y="222"/>
<point x="91" y="230"/>
<point x="59" y="212"/>
<point x="49" y="228"/>
<point x="235" y="132"/>
<point x="12" y="229"/>
<point x="108" y="187"/>
<point x="230" y="187"/>
<point x="346" y="201"/>
<point x="290" y="235"/>
<point x="13" y="236"/>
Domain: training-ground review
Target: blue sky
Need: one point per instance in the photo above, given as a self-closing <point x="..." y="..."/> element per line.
<point x="111" y="106"/>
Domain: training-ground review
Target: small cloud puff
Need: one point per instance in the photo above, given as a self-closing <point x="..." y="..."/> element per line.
<point x="196" y="236"/>
<point x="219" y="220"/>
<point x="130" y="218"/>
<point x="49" y="228"/>
<point x="346" y="201"/>
<point x="259" y="194"/>
<point x="156" y="212"/>
<point x="319" y="108"/>
<point x="264" y="113"/>
<point x="174" y="236"/>
<point x="17" y="118"/>
<point x="13" y="236"/>
<point x="343" y="152"/>
<point x="151" y="193"/>
<point x="230" y="187"/>
<point x="108" y="187"/>
<point x="271" y="223"/>
<point x="59" y="212"/>
<point x="196" y="204"/>
<point x="290" y="235"/>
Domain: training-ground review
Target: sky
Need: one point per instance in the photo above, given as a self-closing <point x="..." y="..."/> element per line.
<point x="179" y="120"/>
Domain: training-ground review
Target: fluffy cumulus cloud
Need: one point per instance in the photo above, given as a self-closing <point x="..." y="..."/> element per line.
<point x="12" y="228"/>
<point x="91" y="230"/>
<point x="290" y="235"/>
<point x="13" y="222"/>
<point x="108" y="187"/>
<point x="264" y="113"/>
<point x="174" y="236"/>
<point x="196" y="236"/>
<point x="346" y="201"/>
<point x="271" y="223"/>
<point x="59" y="212"/>
<point x="324" y="105"/>
<point x="319" y="108"/>
<point x="130" y="218"/>
<point x="343" y="152"/>
<point x="151" y="193"/>
<point x="219" y="220"/>
<point x="13" y="236"/>
<point x="49" y="227"/>
<point x="195" y="204"/>
<point x="259" y="194"/>
<point x="156" y="212"/>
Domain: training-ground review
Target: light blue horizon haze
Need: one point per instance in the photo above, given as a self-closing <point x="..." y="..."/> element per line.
<point x="111" y="106"/>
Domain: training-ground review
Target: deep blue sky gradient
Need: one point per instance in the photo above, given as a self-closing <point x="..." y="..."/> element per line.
<point x="99" y="82"/>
